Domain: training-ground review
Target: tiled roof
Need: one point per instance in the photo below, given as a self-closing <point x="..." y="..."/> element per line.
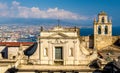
<point x="15" y="44"/>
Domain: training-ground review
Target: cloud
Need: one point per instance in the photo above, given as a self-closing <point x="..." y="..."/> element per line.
<point x="3" y="9"/>
<point x="2" y="6"/>
<point x="18" y="11"/>
<point x="15" y="3"/>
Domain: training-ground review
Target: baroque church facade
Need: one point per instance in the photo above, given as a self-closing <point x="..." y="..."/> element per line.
<point x="60" y="49"/>
<point x="63" y="46"/>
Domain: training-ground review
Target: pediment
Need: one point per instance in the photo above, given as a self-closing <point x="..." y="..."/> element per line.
<point x="59" y="35"/>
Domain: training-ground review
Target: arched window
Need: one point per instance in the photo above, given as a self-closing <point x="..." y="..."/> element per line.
<point x="45" y="52"/>
<point x="99" y="29"/>
<point x="103" y="19"/>
<point x="106" y="29"/>
<point x="71" y="52"/>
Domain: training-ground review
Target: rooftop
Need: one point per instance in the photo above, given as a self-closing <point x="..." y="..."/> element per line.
<point x="16" y="44"/>
<point x="62" y="29"/>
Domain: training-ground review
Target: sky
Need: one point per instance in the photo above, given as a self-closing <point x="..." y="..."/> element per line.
<point x="70" y="12"/>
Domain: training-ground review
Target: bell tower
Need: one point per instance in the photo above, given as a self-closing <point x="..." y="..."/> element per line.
<point x="102" y="31"/>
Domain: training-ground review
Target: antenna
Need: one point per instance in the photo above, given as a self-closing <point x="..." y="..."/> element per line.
<point x="58" y="22"/>
<point x="41" y="28"/>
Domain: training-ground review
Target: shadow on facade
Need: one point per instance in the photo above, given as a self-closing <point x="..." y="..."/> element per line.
<point x="117" y="43"/>
<point x="11" y="70"/>
<point x="30" y="51"/>
<point x="111" y="67"/>
<point x="95" y="64"/>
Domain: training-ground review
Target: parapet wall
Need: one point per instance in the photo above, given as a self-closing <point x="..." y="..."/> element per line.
<point x="99" y="42"/>
<point x="104" y="41"/>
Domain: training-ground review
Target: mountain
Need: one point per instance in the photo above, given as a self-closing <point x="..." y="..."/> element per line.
<point x="46" y="22"/>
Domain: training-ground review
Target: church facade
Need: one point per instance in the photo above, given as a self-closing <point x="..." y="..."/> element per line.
<point x="63" y="46"/>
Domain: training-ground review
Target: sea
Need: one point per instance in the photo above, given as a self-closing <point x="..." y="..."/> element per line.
<point x="89" y="31"/>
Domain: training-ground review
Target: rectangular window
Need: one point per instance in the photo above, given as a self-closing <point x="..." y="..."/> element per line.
<point x="58" y="53"/>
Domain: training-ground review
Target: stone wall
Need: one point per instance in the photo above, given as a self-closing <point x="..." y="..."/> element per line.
<point x="102" y="41"/>
<point x="88" y="41"/>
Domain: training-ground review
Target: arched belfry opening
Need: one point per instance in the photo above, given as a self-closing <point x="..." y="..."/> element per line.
<point x="99" y="29"/>
<point x="106" y="29"/>
<point x="103" y="26"/>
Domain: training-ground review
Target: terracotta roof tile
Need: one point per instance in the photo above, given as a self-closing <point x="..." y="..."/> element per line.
<point x="15" y="44"/>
